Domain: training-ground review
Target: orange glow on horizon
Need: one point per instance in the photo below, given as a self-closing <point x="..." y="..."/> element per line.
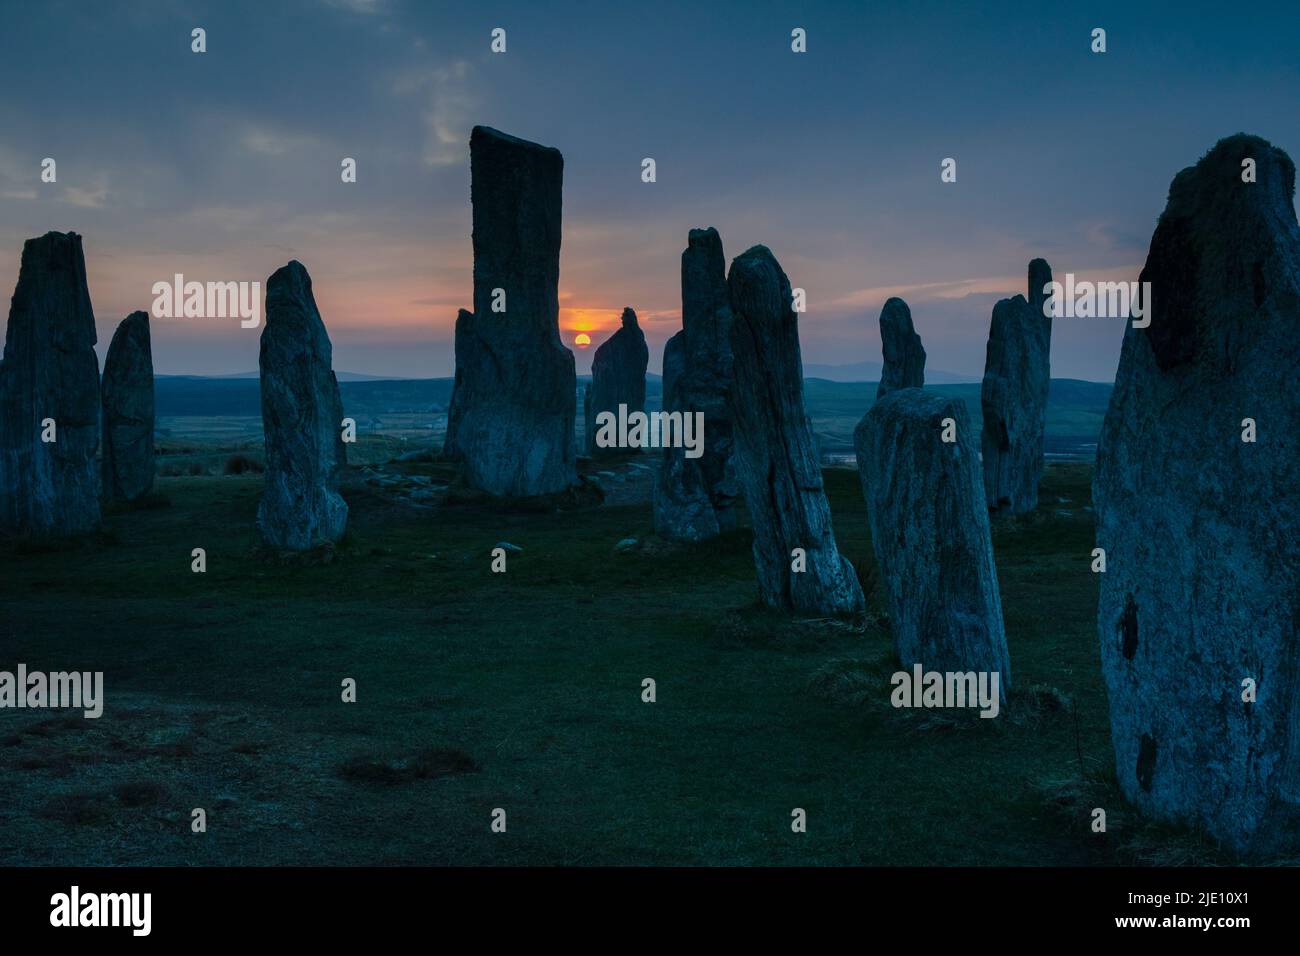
<point x="589" y="320"/>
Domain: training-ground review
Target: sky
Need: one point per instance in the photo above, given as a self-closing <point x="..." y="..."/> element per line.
<point x="224" y="165"/>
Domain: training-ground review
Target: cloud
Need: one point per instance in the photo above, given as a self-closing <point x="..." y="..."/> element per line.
<point x="449" y="115"/>
<point x="876" y="296"/>
<point x="86" y="198"/>
<point x="15" y="176"/>
<point x="365" y="7"/>
<point x="264" y="142"/>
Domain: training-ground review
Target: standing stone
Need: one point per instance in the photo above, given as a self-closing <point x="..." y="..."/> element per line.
<point x="1201" y="530"/>
<point x="930" y="531"/>
<point x="301" y="420"/>
<point x="683" y="510"/>
<point x="617" y="378"/>
<point x="50" y="373"/>
<point x="1014" y="397"/>
<point x="903" y="352"/>
<point x="776" y="452"/>
<point x="455" y="408"/>
<point x="674" y="367"/>
<point x="517" y="383"/>
<point x="694" y="497"/>
<point x="127" y="393"/>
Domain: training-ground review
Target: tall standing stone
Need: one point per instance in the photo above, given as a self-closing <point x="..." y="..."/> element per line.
<point x="776" y="450"/>
<point x="1013" y="397"/>
<point x="617" y="378"/>
<point x="930" y="531"/>
<point x="516" y="380"/>
<point x="127" y="394"/>
<point x="694" y="498"/>
<point x="901" y="346"/>
<point x="301" y="420"/>
<point x="1200" y="599"/>
<point x="49" y="387"/>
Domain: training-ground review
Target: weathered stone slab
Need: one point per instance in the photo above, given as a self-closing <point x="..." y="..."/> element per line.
<point x="516" y="387"/>
<point x="1200" y="598"/>
<point x="695" y="497"/>
<point x="1017" y="373"/>
<point x="455" y="408"/>
<point x="617" y="378"/>
<point x="930" y="531"/>
<point x="903" y="353"/>
<point x="49" y="387"/>
<point x="776" y="453"/>
<point x="128" y="408"/>
<point x="301" y="420"/>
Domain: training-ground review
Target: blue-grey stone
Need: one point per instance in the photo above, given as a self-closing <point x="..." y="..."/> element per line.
<point x="930" y="531"/>
<point x="1013" y="397"/>
<point x="1202" y="530"/>
<point x="50" y="489"/>
<point x="694" y="498"/>
<point x="901" y="347"/>
<point x="302" y="418"/>
<point x="776" y="453"/>
<point x="515" y="381"/>
<point x="128" y="402"/>
<point x="617" y="378"/>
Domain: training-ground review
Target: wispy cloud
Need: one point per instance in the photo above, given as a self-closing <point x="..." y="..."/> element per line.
<point x="449" y="114"/>
<point x="86" y="198"/>
<point x="264" y="142"/>
<point x="366" y="7"/>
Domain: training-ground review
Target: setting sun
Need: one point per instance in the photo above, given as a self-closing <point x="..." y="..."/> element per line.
<point x="582" y="340"/>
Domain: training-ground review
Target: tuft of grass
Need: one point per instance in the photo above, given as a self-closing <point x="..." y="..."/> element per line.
<point x="140" y="793"/>
<point x="147" y="502"/>
<point x="241" y="464"/>
<point x="326" y="552"/>
<point x="850" y="682"/>
<point x="429" y="764"/>
<point x="78" y="808"/>
<point x="584" y="495"/>
<point x="1130" y="838"/>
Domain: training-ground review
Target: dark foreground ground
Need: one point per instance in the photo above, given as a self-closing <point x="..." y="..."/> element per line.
<point x="523" y="691"/>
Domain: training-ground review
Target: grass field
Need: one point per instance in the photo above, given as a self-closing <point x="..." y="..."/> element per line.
<point x="522" y="691"/>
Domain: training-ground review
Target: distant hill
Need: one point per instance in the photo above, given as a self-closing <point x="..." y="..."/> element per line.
<point x="870" y="372"/>
<point x="1075" y="408"/>
<point x="192" y="395"/>
<point x="341" y="376"/>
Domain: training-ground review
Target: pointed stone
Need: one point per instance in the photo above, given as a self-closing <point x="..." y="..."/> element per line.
<point x="930" y="531"/>
<point x="617" y="378"/>
<point x="517" y="383"/>
<point x="904" y="355"/>
<point x="776" y="453"/>
<point x="128" y="402"/>
<point x="50" y="372"/>
<point x="674" y="368"/>
<point x="302" y="419"/>
<point x="1013" y="397"/>
<point x="455" y="408"/>
<point x="695" y="497"/>
<point x="1201" y="530"/>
